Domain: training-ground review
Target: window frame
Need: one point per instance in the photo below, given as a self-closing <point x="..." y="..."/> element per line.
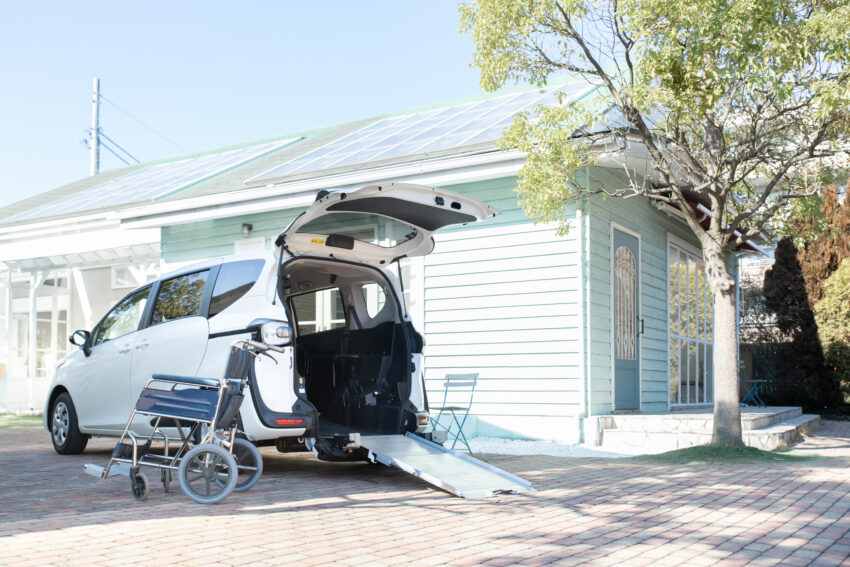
<point x="212" y="280"/>
<point x="143" y="321"/>
<point x="203" y="309"/>
<point x="316" y="292"/>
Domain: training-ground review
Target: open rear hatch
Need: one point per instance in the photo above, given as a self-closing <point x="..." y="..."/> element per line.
<point x="379" y="223"/>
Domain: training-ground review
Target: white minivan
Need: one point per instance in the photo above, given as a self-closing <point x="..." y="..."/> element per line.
<point x="352" y="361"/>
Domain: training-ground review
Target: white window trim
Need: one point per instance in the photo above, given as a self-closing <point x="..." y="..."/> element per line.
<point x="687" y="247"/>
<point x="639" y="274"/>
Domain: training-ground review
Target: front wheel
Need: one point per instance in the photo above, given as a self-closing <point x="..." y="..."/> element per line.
<point x="64" y="430"/>
<point x="207" y="473"/>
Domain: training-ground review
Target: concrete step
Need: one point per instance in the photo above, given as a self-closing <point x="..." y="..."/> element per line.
<point x="782" y="435"/>
<point x="643" y="442"/>
<point x="698" y="422"/>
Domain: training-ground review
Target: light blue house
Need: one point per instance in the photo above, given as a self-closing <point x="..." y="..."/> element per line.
<point x="612" y="317"/>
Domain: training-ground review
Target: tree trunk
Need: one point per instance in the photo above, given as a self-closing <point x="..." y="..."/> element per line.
<point x="727" y="403"/>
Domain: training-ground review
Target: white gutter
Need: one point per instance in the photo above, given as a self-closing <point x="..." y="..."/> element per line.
<point x="301" y="193"/>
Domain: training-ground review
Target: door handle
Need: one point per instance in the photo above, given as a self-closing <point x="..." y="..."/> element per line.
<point x="142" y="344"/>
<point x="124" y="348"/>
<point x="641" y="325"/>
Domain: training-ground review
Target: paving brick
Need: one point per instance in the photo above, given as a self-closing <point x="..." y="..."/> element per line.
<point x="585" y="511"/>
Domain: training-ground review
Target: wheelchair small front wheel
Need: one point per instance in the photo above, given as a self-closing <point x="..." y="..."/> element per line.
<point x="139" y="485"/>
<point x="207" y="473"/>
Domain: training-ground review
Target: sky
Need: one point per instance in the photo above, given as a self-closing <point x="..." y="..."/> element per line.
<point x="207" y="74"/>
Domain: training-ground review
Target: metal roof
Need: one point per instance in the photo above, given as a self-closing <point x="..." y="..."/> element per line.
<point x="443" y="129"/>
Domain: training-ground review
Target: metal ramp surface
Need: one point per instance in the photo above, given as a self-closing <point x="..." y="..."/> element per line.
<point x="452" y="471"/>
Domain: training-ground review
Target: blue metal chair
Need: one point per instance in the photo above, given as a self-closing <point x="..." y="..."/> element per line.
<point x="751" y="388"/>
<point x="459" y="386"/>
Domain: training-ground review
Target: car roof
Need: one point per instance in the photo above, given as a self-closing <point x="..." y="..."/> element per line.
<point x="266" y="255"/>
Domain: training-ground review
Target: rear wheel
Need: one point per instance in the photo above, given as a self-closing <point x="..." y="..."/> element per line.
<point x="250" y="464"/>
<point x="64" y="431"/>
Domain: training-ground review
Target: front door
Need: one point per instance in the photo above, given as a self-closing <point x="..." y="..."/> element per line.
<point x="626" y="332"/>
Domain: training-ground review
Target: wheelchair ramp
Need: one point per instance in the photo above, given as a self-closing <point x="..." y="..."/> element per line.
<point x="452" y="471"/>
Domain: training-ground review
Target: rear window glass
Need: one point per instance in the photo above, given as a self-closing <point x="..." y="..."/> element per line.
<point x="318" y="311"/>
<point x="365" y="227"/>
<point x="233" y="281"/>
<point x="179" y="297"/>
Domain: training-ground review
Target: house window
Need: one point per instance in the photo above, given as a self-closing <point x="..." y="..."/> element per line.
<point x="691" y="328"/>
<point x="624" y="303"/>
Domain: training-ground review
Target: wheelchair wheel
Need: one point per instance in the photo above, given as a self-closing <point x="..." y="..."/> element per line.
<point x="139" y="485"/>
<point x="250" y="464"/>
<point x="207" y="473"/>
<point x="165" y="476"/>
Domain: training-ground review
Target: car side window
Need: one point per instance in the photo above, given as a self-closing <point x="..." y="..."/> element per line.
<point x="318" y="311"/>
<point x="233" y="281"/>
<point x="179" y="297"/>
<point x="124" y="317"/>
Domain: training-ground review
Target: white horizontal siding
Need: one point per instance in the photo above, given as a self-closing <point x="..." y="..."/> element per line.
<point x="503" y="301"/>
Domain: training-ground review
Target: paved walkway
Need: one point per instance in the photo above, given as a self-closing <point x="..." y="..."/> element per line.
<point x="305" y="512"/>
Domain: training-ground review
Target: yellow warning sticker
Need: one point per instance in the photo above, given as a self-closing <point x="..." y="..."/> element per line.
<point x="319" y="241"/>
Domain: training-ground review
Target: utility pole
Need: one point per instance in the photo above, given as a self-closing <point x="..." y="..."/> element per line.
<point x="94" y="135"/>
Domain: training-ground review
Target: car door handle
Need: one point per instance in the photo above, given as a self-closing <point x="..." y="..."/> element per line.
<point x="142" y="344"/>
<point x="124" y="348"/>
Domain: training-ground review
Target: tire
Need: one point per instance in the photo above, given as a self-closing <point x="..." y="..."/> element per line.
<point x="207" y="473"/>
<point x="247" y="455"/>
<point x="140" y="486"/>
<point x="64" y="430"/>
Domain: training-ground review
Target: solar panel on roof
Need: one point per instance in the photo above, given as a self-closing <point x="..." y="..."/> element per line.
<point x="423" y="132"/>
<point x="152" y="182"/>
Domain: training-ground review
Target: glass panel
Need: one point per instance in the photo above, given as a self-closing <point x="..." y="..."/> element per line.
<point x="709" y="373"/>
<point x="683" y="295"/>
<point x="375" y="298"/>
<point x="674" y="370"/>
<point x="304" y="306"/>
<point x="318" y="311"/>
<point x="709" y="315"/>
<point x="673" y="280"/>
<point x="683" y="372"/>
<point x="624" y="303"/>
<point x="233" y="281"/>
<point x="692" y="372"/>
<point x="179" y="297"/>
<point x="365" y="227"/>
<point x="124" y="317"/>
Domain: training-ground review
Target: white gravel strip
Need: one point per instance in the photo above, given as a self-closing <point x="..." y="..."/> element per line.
<point x="500" y="446"/>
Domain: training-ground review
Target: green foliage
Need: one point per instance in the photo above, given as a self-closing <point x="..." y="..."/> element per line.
<point x="802" y="378"/>
<point x="719" y="455"/>
<point x="750" y="96"/>
<point x="833" y="317"/>
<point x="11" y="420"/>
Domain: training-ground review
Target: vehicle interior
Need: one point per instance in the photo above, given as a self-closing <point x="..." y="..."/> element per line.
<point x="352" y="346"/>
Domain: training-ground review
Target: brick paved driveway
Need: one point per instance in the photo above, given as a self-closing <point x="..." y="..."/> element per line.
<point x="304" y="512"/>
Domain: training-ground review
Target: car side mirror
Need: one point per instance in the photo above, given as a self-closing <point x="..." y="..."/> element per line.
<point x="81" y="339"/>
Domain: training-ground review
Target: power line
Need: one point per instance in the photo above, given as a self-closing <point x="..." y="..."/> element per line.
<point x="119" y="147"/>
<point x="140" y="121"/>
<point x="110" y="150"/>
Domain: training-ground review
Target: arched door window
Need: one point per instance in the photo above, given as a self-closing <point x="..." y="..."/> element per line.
<point x="624" y="303"/>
